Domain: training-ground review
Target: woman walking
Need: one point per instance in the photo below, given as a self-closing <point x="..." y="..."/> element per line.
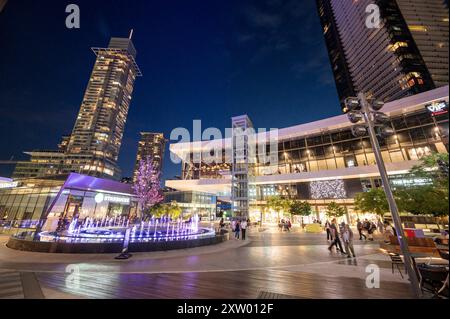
<point x="237" y="229"/>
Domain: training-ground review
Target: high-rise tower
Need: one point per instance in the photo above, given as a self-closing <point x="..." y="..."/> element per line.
<point x="153" y="145"/>
<point x="405" y="55"/>
<point x="96" y="138"/>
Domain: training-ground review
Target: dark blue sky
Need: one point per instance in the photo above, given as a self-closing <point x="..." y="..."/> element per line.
<point x="207" y="60"/>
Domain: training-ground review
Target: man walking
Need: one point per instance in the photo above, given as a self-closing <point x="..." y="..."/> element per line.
<point x="243" y="228"/>
<point x="335" y="237"/>
<point x="347" y="237"/>
<point x="360" y="226"/>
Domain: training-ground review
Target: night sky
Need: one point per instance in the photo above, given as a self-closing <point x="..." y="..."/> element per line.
<point x="207" y="60"/>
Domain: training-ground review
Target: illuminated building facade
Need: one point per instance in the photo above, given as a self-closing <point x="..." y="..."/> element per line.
<point x="96" y="138"/>
<point x="406" y="55"/>
<point x="25" y="202"/>
<point x="322" y="161"/>
<point x="150" y="144"/>
<point x="94" y="145"/>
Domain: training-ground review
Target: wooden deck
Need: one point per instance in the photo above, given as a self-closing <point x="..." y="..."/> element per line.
<point x="242" y="284"/>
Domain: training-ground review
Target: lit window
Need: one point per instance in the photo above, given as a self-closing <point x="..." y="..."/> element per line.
<point x="420" y="28"/>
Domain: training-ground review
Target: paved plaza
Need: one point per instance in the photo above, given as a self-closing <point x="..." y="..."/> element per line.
<point x="269" y="264"/>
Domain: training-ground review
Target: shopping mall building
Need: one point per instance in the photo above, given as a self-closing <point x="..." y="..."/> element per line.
<point x="322" y="161"/>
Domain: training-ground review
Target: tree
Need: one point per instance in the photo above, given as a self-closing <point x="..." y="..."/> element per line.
<point x="423" y="200"/>
<point x="431" y="199"/>
<point x="147" y="186"/>
<point x="335" y="210"/>
<point x="172" y="210"/>
<point x="278" y="204"/>
<point x="435" y="168"/>
<point x="374" y="201"/>
<point x="302" y="208"/>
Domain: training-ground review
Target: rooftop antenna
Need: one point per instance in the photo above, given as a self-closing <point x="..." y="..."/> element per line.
<point x="131" y="34"/>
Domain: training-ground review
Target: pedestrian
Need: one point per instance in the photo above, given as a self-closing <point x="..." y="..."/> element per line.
<point x="371" y="229"/>
<point x="347" y="237"/>
<point x="243" y="228"/>
<point x="360" y="227"/>
<point x="288" y="225"/>
<point x="327" y="228"/>
<point x="380" y="226"/>
<point x="388" y="232"/>
<point x="237" y="230"/>
<point x="335" y="237"/>
<point x="233" y="225"/>
<point x="222" y="223"/>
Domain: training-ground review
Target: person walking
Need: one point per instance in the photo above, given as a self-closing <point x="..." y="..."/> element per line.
<point x="388" y="232"/>
<point x="380" y="226"/>
<point x="243" y="228"/>
<point x="335" y="237"/>
<point x="327" y="228"/>
<point x="347" y="237"/>
<point x="237" y="229"/>
<point x="360" y="227"/>
<point x="371" y="229"/>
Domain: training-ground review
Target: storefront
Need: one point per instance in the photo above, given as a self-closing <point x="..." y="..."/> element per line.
<point x="23" y="202"/>
<point x="194" y="203"/>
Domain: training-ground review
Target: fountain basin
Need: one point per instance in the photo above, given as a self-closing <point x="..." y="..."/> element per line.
<point x="110" y="240"/>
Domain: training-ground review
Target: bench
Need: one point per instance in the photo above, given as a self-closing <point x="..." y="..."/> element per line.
<point x="416" y="245"/>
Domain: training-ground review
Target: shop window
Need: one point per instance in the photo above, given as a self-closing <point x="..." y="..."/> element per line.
<point x="350" y="161"/>
<point x="361" y="160"/>
<point x="371" y="158"/>
<point x="331" y="163"/>
<point x="417" y="134"/>
<point x="340" y="162"/>
<point x="440" y="147"/>
<point x="322" y="164"/>
<point x="399" y="123"/>
<point x="396" y="156"/>
<point x="313" y="166"/>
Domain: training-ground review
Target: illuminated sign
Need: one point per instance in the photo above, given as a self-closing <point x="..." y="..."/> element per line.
<point x="8" y="184"/>
<point x="100" y="197"/>
<point x="437" y="108"/>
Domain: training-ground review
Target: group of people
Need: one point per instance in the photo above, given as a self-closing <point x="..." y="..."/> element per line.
<point x="337" y="232"/>
<point x="238" y="227"/>
<point x="367" y="228"/>
<point x="343" y="234"/>
<point x="285" y="225"/>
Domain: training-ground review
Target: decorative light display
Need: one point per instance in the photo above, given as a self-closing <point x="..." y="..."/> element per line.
<point x="147" y="186"/>
<point x="332" y="189"/>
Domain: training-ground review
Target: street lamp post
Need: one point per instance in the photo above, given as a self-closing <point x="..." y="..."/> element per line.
<point x="360" y="109"/>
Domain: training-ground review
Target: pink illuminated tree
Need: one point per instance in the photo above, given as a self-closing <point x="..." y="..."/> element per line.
<point x="147" y="185"/>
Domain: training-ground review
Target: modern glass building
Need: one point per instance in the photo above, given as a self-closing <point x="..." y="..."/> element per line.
<point x="322" y="161"/>
<point x="192" y="202"/>
<point x="150" y="144"/>
<point x="94" y="145"/>
<point x="406" y="54"/>
<point x="46" y="199"/>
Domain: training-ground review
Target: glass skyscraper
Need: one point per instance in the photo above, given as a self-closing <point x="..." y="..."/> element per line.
<point x="96" y="138"/>
<point x="407" y="54"/>
<point x="94" y="145"/>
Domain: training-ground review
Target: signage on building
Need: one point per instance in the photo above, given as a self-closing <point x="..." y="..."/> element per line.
<point x="101" y="197"/>
<point x="8" y="184"/>
<point x="437" y="108"/>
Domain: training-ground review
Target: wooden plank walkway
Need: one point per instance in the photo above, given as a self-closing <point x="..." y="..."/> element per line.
<point x="235" y="284"/>
<point x="10" y="285"/>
